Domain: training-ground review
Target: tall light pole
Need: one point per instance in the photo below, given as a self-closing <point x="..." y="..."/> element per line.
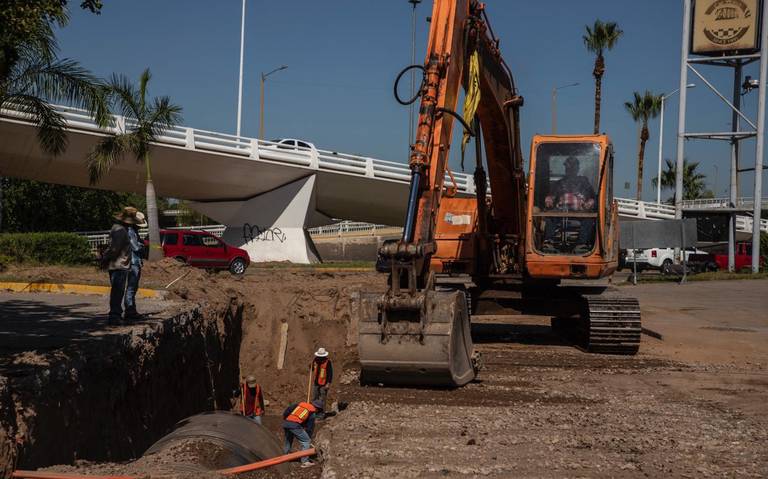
<point x="413" y="72"/>
<point x="261" y="112"/>
<point x="240" y="85"/>
<point x="554" y="104"/>
<point x="661" y="139"/>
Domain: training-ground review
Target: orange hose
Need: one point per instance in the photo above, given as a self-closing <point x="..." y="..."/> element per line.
<point x="268" y="462"/>
<point x="58" y="475"/>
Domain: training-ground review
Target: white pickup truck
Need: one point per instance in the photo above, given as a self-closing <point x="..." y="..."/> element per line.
<point x="655" y="258"/>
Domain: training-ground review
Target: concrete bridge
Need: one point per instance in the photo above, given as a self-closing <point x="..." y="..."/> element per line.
<point x="267" y="194"/>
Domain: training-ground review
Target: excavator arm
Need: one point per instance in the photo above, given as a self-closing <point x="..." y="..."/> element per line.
<point x="416" y="333"/>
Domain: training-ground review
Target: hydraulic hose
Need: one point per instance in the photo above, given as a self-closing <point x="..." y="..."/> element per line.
<point x="421" y="87"/>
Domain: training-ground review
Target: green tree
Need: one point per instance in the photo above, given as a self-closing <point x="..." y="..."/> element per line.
<point x="33" y="206"/>
<point x="643" y="108"/>
<point x="145" y="121"/>
<point x="694" y="183"/>
<point x="32" y="75"/>
<point x="600" y="37"/>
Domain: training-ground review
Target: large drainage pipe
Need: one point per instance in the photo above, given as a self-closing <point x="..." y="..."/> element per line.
<point x="245" y="441"/>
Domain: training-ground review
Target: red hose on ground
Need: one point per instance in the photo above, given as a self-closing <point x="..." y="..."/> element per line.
<point x="230" y="471"/>
<point x="268" y="462"/>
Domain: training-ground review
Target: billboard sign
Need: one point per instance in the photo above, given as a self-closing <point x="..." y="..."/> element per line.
<point x="725" y="27"/>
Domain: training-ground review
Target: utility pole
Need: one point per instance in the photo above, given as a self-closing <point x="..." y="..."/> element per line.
<point x="240" y="84"/>
<point x="554" y="104"/>
<point x="413" y="72"/>
<point x="261" y="109"/>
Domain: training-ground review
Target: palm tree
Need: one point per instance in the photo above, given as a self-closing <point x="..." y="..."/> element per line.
<point x="145" y="121"/>
<point x="694" y="184"/>
<point x="602" y="36"/>
<point x="32" y="76"/>
<point x="643" y="108"/>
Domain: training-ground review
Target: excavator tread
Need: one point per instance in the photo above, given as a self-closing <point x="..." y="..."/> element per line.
<point x="612" y="324"/>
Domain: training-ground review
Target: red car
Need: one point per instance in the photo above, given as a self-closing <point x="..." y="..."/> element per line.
<point x="203" y="250"/>
<point x="742" y="258"/>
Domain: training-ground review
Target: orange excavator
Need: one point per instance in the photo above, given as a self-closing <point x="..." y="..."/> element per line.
<point x="513" y="244"/>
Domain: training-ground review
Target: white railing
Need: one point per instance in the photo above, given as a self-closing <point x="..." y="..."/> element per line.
<point x="345" y="227"/>
<point x="714" y="203"/>
<point x="210" y="141"/>
<point x="643" y="209"/>
<point x="97" y="239"/>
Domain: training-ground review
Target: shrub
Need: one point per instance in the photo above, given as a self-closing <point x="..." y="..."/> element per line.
<point x="45" y="248"/>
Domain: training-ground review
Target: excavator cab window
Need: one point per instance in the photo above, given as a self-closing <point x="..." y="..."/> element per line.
<point x="566" y="197"/>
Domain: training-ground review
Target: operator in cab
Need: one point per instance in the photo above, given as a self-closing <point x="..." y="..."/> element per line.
<point x="572" y="193"/>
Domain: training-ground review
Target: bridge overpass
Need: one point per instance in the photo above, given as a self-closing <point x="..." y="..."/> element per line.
<point x="266" y="194"/>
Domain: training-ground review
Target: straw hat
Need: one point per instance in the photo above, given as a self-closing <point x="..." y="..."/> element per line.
<point x="141" y="220"/>
<point x="321" y="353"/>
<point x="250" y="381"/>
<point x="127" y="215"/>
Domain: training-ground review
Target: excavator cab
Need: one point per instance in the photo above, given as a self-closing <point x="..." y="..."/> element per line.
<point x="572" y="228"/>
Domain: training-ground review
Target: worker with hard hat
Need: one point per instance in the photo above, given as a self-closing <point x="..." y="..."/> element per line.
<point x="299" y="423"/>
<point x="251" y="400"/>
<point x="322" y="375"/>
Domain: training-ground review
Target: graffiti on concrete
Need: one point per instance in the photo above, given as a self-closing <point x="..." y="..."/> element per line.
<point x="259" y="233"/>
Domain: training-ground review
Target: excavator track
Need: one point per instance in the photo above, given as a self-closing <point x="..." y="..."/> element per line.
<point x="612" y="324"/>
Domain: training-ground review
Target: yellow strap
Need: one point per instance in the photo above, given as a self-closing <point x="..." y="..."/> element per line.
<point x="472" y="98"/>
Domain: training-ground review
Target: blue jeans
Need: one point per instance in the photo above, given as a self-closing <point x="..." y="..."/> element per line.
<point x="117" y="279"/>
<point x="256" y="419"/>
<point x="134" y="275"/>
<point x="300" y="434"/>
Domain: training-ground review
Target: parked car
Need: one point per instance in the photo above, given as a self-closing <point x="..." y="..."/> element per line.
<point x="292" y="144"/>
<point x="656" y="258"/>
<point x="742" y="258"/>
<point x="204" y="250"/>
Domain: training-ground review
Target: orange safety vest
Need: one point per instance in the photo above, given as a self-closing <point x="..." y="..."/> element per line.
<point x="301" y="413"/>
<point x="250" y="403"/>
<point x="321" y="372"/>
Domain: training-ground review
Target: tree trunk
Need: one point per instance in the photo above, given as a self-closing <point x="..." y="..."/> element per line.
<point x="155" y="249"/>
<point x="640" y="159"/>
<point x="598" y="74"/>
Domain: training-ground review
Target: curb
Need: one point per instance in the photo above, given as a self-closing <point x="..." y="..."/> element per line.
<point x="71" y="288"/>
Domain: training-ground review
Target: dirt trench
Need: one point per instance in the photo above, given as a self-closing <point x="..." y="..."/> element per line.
<point x="95" y="406"/>
<point x="108" y="399"/>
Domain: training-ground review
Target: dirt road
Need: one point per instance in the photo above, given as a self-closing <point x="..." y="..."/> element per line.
<point x="690" y="405"/>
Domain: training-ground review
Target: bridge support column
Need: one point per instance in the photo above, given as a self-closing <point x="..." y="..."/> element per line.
<point x="271" y="226"/>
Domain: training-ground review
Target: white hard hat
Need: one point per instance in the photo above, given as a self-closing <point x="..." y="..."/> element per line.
<point x="321" y="353"/>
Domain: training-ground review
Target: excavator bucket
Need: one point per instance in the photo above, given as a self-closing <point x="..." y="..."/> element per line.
<point x="431" y="346"/>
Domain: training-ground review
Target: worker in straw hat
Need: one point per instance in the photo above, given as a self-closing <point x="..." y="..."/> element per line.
<point x="321" y="375"/>
<point x="134" y="273"/>
<point x="251" y="400"/>
<point x="117" y="260"/>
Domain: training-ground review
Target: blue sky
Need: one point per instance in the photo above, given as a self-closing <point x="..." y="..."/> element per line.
<point x="343" y="55"/>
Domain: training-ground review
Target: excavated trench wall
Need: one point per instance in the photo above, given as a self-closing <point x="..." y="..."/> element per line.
<point x="109" y="399"/>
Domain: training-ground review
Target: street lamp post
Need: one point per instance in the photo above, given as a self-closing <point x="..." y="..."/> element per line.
<point x="661" y="139"/>
<point x="261" y="112"/>
<point x="554" y="104"/>
<point x="240" y="84"/>
<point x="413" y="72"/>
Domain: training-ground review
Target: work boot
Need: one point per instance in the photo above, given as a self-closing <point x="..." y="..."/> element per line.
<point x="131" y="315"/>
<point x="582" y="249"/>
<point x="548" y="247"/>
